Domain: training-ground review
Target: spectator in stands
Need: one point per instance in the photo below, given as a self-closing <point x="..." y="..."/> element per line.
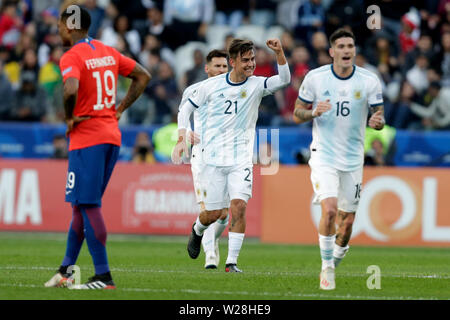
<point x="60" y="149"/>
<point x="381" y="52"/>
<point x="346" y="13"/>
<point x="323" y="58"/>
<point x="319" y="42"/>
<point x="110" y="35"/>
<point x="379" y="146"/>
<point x="97" y="15"/>
<point x="441" y="61"/>
<point x="300" y="60"/>
<point x="143" y="149"/>
<point x="287" y="42"/>
<point x="153" y="44"/>
<point x="165" y="139"/>
<point x="311" y="18"/>
<point x="262" y="12"/>
<point x="197" y="72"/>
<point x="399" y="114"/>
<point x="30" y="103"/>
<point x="189" y="19"/>
<point x="156" y="27"/>
<point x="10" y="24"/>
<point x="424" y="47"/>
<point x="50" y="80"/>
<point x="231" y="12"/>
<point x="436" y="115"/>
<point x="163" y="91"/>
<point x="417" y="76"/>
<point x="6" y="94"/>
<point x="410" y="31"/>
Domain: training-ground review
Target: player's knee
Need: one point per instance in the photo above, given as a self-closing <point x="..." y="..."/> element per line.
<point x="238" y="206"/>
<point x="213" y="215"/>
<point x="330" y="212"/>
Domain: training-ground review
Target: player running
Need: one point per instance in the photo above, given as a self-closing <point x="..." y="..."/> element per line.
<point x="216" y="63"/>
<point x="228" y="106"/>
<point x="339" y="94"/>
<point x="90" y="70"/>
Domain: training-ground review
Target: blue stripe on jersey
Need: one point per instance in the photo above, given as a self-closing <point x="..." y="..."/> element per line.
<point x="227" y="77"/>
<point x="193" y="103"/>
<point x="304" y="100"/>
<point x="377" y="104"/>
<point x="265" y="83"/>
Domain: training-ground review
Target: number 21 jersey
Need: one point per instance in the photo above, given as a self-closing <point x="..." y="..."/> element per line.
<point x="97" y="68"/>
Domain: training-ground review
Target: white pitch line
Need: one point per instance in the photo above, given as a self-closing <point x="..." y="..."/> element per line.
<point x="149" y="270"/>
<point x="246" y="293"/>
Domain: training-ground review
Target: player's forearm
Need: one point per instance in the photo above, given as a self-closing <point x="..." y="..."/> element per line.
<point x="137" y="87"/>
<point x="140" y="77"/>
<point x="281" y="58"/>
<point x="70" y="100"/>
<point x="184" y="116"/>
<point x="303" y="115"/>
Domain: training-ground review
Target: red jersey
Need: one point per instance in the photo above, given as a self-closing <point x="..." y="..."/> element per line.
<point x="97" y="67"/>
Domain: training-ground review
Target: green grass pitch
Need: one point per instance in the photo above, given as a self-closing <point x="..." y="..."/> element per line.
<point x="158" y="268"/>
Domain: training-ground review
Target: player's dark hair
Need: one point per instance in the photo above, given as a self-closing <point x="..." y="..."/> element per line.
<point x="239" y="47"/>
<point x="85" y="17"/>
<point x="216" y="54"/>
<point x="341" y="33"/>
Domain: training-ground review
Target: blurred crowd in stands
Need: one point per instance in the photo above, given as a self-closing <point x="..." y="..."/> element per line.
<point x="410" y="52"/>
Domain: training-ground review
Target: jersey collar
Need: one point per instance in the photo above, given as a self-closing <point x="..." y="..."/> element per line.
<point x="227" y="77"/>
<point x="86" y="40"/>
<point x="341" y="78"/>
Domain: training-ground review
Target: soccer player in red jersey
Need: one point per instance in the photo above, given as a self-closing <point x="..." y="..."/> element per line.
<point x="90" y="71"/>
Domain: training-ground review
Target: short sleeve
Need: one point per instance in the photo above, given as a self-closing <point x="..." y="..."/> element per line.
<point x="126" y="65"/>
<point x="198" y="96"/>
<point x="306" y="91"/>
<point x="70" y="66"/>
<point x="375" y="94"/>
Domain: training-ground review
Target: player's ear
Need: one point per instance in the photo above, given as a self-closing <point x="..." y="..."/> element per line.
<point x="331" y="52"/>
<point x="206" y="68"/>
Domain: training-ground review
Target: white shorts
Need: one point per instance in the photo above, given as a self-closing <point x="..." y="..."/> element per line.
<point x="332" y="183"/>
<point x="220" y="184"/>
<point x="196" y="169"/>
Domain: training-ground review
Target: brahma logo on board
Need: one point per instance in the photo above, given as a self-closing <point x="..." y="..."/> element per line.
<point x="165" y="202"/>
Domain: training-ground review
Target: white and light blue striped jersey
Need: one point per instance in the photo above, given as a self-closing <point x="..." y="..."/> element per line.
<point x="186" y="94"/>
<point x="226" y="113"/>
<point x="338" y="134"/>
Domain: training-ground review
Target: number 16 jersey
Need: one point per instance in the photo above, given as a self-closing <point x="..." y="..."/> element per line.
<point x="338" y="134"/>
<point x="97" y="68"/>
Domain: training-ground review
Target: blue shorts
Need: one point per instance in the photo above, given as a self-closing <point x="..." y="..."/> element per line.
<point x="89" y="172"/>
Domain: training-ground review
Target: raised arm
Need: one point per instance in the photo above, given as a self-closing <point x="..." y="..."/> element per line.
<point x="140" y="78"/>
<point x="283" y="78"/>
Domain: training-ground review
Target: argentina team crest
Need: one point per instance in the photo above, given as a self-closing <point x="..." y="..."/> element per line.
<point x="358" y="94"/>
<point x="243" y="94"/>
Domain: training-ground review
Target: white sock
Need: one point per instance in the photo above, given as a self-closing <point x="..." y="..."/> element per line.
<point x="234" y="246"/>
<point x="220" y="226"/>
<point x="199" y="228"/>
<point x="208" y="239"/>
<point x="326" y="244"/>
<point x="339" y="254"/>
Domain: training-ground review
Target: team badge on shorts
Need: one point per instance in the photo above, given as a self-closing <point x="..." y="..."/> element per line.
<point x="316" y="185"/>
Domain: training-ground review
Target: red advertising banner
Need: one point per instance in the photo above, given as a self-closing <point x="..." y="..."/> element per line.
<point x="144" y="199"/>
